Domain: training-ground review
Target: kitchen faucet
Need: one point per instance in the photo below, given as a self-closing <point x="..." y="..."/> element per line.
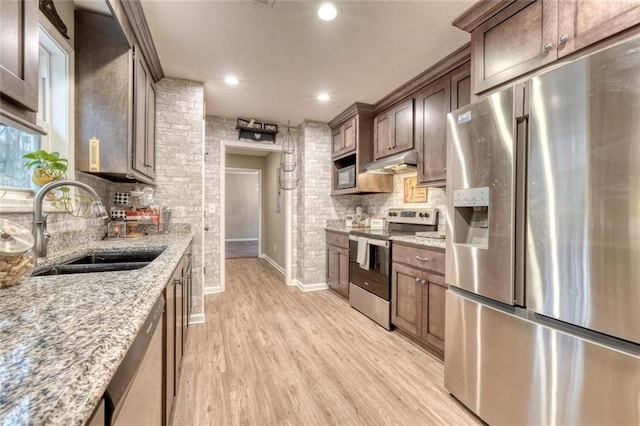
<point x="40" y="233"/>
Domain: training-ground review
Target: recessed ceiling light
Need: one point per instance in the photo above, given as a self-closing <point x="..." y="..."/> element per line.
<point x="323" y="97"/>
<point x="327" y="12"/>
<point x="231" y="80"/>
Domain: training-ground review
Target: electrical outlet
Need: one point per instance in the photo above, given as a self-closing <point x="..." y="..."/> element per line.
<point x="211" y="208"/>
<point x="275" y="247"/>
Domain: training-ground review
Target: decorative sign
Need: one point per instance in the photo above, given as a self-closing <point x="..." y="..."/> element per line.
<point x="412" y="192"/>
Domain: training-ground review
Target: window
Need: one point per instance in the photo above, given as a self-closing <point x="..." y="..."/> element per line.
<point x="55" y="115"/>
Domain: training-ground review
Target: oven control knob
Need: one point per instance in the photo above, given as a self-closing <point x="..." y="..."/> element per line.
<point x="426" y="215"/>
<point x="421" y="214"/>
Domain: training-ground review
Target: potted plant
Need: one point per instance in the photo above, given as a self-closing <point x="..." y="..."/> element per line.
<point x="49" y="166"/>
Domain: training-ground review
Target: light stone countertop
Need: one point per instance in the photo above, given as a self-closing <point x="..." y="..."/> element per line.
<point x="338" y="229"/>
<point x="63" y="337"/>
<point x="407" y="239"/>
<point x="420" y="241"/>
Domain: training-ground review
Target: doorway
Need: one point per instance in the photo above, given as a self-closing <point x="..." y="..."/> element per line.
<point x="282" y="203"/>
<point x="243" y="213"/>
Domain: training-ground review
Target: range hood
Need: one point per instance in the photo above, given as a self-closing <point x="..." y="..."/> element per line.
<point x="397" y="163"/>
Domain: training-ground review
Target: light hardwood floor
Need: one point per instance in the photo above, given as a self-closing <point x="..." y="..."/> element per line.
<point x="271" y="355"/>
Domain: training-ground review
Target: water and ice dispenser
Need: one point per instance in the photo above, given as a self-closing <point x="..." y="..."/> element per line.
<point x="471" y="217"/>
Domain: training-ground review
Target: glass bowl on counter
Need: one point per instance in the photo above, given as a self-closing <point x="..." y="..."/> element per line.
<point x="17" y="259"/>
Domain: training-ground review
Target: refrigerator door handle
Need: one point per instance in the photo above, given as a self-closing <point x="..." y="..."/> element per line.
<point x="522" y="138"/>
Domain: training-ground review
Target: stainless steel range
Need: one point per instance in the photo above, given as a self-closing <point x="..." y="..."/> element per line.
<point x="370" y="260"/>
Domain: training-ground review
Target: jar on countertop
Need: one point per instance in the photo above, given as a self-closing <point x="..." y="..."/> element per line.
<point x="17" y="259"/>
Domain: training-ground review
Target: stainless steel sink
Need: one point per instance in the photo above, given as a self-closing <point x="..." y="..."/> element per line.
<point x="103" y="262"/>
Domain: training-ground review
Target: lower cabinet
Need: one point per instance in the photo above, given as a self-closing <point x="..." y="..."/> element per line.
<point x="418" y="295"/>
<point x="338" y="263"/>
<point x="178" y="297"/>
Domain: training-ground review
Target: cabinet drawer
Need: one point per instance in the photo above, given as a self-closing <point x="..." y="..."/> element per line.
<point x="429" y="259"/>
<point x="338" y="240"/>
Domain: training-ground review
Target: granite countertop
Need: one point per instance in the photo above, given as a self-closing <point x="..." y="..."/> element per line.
<point x="63" y="337"/>
<point x="420" y="241"/>
<point x="338" y="228"/>
<point x="407" y="239"/>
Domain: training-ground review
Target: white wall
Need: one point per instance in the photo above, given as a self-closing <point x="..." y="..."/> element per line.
<point x="273" y="226"/>
<point x="242" y="205"/>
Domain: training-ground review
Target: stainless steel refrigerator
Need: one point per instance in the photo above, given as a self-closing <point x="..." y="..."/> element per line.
<point x="543" y="247"/>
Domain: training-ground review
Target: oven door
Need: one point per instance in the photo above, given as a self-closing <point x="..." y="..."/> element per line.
<point x="376" y="278"/>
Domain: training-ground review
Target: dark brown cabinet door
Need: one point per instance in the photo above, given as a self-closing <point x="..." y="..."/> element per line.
<point x="382" y="135"/>
<point x="179" y="324"/>
<point x="349" y="130"/>
<point x="461" y="86"/>
<point x="431" y="138"/>
<point x="517" y="40"/>
<point x="584" y="22"/>
<point x="151" y="129"/>
<point x="406" y="298"/>
<point x="343" y="138"/>
<point x="402" y="127"/>
<point x="19" y="52"/>
<point x="170" y="347"/>
<point x="338" y="270"/>
<point x="143" y="154"/>
<point x="393" y="130"/>
<point x="433" y="303"/>
<point x="337" y="141"/>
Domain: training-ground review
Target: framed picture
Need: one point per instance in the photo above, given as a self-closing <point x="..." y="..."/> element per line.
<point x="412" y="192"/>
<point x="271" y="127"/>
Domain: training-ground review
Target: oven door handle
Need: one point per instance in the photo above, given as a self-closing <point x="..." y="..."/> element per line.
<point x="371" y="241"/>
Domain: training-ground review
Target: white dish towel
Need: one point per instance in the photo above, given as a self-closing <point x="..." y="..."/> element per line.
<point x="363" y="253"/>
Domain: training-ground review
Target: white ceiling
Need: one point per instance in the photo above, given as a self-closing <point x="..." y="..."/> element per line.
<point x="284" y="56"/>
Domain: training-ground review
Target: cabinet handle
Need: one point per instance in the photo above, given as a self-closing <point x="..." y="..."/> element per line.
<point x="563" y="38"/>
<point x="547" y="46"/>
<point x="423" y="259"/>
<point x="417" y="280"/>
<point x="366" y="283"/>
<point x="177" y="281"/>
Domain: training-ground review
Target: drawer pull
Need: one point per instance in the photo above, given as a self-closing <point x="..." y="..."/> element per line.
<point x="366" y="283"/>
<point x="423" y="259"/>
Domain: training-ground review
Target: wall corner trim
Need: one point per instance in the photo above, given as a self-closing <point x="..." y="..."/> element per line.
<point x="310" y="287"/>
<point x="273" y="263"/>
<point x="196" y="319"/>
<point x="213" y="290"/>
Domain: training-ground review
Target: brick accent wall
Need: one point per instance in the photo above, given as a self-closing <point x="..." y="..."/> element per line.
<point x="312" y="202"/>
<point x="218" y="129"/>
<point x="179" y="157"/>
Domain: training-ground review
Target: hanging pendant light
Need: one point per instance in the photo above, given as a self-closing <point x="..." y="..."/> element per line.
<point x="288" y="162"/>
<point x="288" y="155"/>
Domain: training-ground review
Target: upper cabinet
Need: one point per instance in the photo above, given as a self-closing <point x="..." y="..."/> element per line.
<point x="433" y="102"/>
<point x="19" y="62"/>
<point x="582" y="23"/>
<point x="352" y="149"/>
<point x="144" y="118"/>
<point x="510" y="39"/>
<point x="115" y="103"/>
<point x="393" y="130"/>
<point x="344" y="138"/>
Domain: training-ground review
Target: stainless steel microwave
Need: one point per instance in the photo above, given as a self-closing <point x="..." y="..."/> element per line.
<point x="346" y="177"/>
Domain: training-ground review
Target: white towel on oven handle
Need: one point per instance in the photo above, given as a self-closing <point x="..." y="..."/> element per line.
<point x="363" y="253"/>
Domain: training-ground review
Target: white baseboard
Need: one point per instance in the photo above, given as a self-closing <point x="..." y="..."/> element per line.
<point x="213" y="290"/>
<point x="232" y="240"/>
<point x="272" y="262"/>
<point x="310" y="287"/>
<point x="196" y="319"/>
